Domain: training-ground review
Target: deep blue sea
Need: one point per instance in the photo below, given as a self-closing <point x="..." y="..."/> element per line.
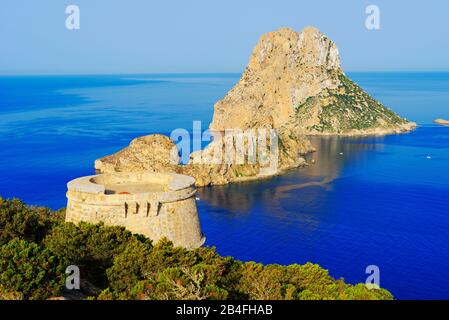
<point x="366" y="201"/>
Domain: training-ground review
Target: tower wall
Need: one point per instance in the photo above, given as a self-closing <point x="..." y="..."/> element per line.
<point x="167" y="212"/>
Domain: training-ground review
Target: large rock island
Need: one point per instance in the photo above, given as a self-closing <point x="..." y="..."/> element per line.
<point x="294" y="85"/>
<point x="295" y="79"/>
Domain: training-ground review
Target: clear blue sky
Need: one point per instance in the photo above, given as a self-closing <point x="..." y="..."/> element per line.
<point x="149" y="36"/>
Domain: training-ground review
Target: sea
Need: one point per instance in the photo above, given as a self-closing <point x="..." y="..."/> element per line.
<point x="373" y="201"/>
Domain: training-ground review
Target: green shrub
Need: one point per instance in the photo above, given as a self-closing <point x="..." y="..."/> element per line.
<point x="90" y="247"/>
<point x="8" y="294"/>
<point x="128" y="267"/>
<point x="361" y="292"/>
<point x="36" y="247"/>
<point x="21" y="221"/>
<point x="30" y="270"/>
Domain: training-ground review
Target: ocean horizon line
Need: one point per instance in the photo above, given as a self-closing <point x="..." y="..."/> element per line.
<point x="206" y="73"/>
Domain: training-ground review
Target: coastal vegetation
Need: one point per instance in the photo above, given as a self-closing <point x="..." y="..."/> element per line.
<point x="347" y="109"/>
<point x="36" y="247"/>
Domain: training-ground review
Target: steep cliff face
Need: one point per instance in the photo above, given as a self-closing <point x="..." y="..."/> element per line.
<point x="295" y="79"/>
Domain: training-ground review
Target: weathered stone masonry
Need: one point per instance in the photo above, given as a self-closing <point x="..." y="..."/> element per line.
<point x="153" y="204"/>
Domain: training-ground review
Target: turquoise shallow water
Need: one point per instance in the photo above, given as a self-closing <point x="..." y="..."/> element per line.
<point x="379" y="201"/>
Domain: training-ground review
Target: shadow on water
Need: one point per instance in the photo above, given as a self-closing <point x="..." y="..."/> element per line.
<point x="331" y="156"/>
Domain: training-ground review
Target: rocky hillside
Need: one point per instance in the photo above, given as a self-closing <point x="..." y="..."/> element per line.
<point x="295" y="79"/>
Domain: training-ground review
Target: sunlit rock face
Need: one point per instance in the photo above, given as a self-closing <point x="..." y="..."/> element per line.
<point x="155" y="153"/>
<point x="295" y="79"/>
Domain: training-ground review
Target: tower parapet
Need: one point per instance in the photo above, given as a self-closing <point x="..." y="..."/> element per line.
<point x="156" y="205"/>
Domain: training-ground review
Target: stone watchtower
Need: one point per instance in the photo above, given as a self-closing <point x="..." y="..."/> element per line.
<point x="156" y="205"/>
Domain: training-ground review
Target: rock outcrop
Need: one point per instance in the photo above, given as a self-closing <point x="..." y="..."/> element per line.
<point x="295" y="79"/>
<point x="293" y="84"/>
<point x="155" y="153"/>
<point x="158" y="153"/>
<point x="442" y="122"/>
<point x="290" y="147"/>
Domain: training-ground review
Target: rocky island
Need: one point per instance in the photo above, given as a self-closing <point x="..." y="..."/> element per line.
<point x="293" y="84"/>
<point x="295" y="80"/>
<point x="442" y="122"/>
